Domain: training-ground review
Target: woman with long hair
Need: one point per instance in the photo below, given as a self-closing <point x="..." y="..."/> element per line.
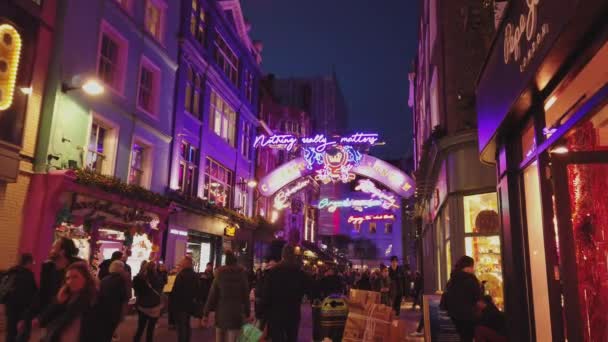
<point x="70" y="318"/>
<point x="461" y="296"/>
<point x="148" y="287"/>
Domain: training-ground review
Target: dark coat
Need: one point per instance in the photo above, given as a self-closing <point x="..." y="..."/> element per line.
<point x="113" y="295"/>
<point x="461" y="296"/>
<point x="397" y="281"/>
<point x="58" y="317"/>
<point x="494" y="319"/>
<point x="283" y="290"/>
<point x="206" y="282"/>
<point x="229" y="297"/>
<point x="331" y="285"/>
<point x="186" y="290"/>
<point x="51" y="280"/>
<point x="364" y="283"/>
<point x="104" y="268"/>
<point x="24" y="291"/>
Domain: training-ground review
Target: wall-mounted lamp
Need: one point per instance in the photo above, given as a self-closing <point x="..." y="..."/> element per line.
<point x="91" y="87"/>
<point x="26" y="90"/>
<point x="560" y="150"/>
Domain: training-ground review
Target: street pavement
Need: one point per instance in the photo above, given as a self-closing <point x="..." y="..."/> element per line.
<point x="127" y="328"/>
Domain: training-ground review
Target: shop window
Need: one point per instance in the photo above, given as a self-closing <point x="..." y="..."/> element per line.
<point x="357" y="227"/>
<point x="528" y="141"/>
<point x="372" y="227"/>
<point x="198" y="22"/>
<point x="149" y="81"/>
<point x="482" y="241"/>
<point x="536" y="246"/>
<point x="112" y="58"/>
<point x="154" y="18"/>
<point x="218" y="183"/>
<point x="222" y="118"/>
<point x="388" y="228"/>
<point x="592" y="135"/>
<point x="226" y="59"/>
<point x="188" y="169"/>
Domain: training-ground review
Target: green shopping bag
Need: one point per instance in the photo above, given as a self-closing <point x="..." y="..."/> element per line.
<point x="250" y="334"/>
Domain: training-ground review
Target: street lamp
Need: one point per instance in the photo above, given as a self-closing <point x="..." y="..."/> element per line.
<point x="91" y="87"/>
<point x="252" y="183"/>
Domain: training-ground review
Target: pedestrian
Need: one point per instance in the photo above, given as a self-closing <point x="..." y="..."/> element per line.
<point x="461" y="296"/>
<point x="148" y="286"/>
<point x="397" y="279"/>
<point x="285" y="286"/>
<point x="70" y="317"/>
<point x="112" y="300"/>
<point x="229" y="299"/>
<point x="365" y="283"/>
<point x="385" y="286"/>
<point x="53" y="273"/>
<point x="185" y="298"/>
<point x="206" y="280"/>
<point x="260" y="315"/>
<point x="104" y="267"/>
<point x="18" y="290"/>
<point x="417" y="291"/>
<point x="491" y="326"/>
<point x="331" y="284"/>
<point x="125" y="258"/>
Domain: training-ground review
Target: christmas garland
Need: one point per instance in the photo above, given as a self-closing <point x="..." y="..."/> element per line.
<point x="117" y="186"/>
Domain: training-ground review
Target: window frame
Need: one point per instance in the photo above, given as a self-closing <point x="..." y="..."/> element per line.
<point x="161" y="6"/>
<point x="110" y="144"/>
<point x="228" y="173"/>
<point x="194" y="92"/>
<point x="222" y="49"/>
<point x="146" y="164"/>
<point x="373" y="224"/>
<point x="198" y="22"/>
<point x="118" y="83"/>
<point x="227" y="119"/>
<point x="246" y="140"/>
<point x="189" y="163"/>
<point x="145" y="63"/>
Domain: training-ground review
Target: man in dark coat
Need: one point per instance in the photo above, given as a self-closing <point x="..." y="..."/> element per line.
<point x="229" y="299"/>
<point x="112" y="300"/>
<point x="331" y="284"/>
<point x="284" y="288"/>
<point x="260" y="315"/>
<point x="206" y="282"/>
<point x="395" y="272"/>
<point x="19" y="299"/>
<point x="63" y="253"/>
<point x="104" y="267"/>
<point x="461" y="296"/>
<point x="183" y="298"/>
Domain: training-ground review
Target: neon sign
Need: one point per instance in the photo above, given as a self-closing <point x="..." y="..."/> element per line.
<point x="364" y="218"/>
<point x="319" y="142"/>
<point x="368" y="187"/>
<point x="335" y="166"/>
<point x="281" y="199"/>
<point x="357" y="204"/>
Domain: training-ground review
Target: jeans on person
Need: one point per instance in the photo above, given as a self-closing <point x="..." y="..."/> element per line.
<point x="226" y="335"/>
<point x="182" y="322"/>
<point x="397" y="303"/>
<point x="465" y="329"/>
<point x="143" y="322"/>
<point x="284" y="330"/>
<point x="13" y="315"/>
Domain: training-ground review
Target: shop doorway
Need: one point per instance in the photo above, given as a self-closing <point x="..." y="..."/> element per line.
<point x="580" y="181"/>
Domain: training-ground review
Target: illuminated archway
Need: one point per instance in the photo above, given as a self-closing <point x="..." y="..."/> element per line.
<point x="368" y="166"/>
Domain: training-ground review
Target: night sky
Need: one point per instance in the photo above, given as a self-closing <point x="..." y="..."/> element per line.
<point x="370" y="43"/>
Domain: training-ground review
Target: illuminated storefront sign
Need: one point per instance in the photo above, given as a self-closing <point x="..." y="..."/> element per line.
<point x="364" y="218"/>
<point x="319" y="142"/>
<point x="230" y="231"/>
<point x="526" y="26"/>
<point x="361" y="164"/>
<point x="357" y="204"/>
<point x="282" y="198"/>
<point x="368" y="187"/>
<point x="334" y="166"/>
<point x="10" y="53"/>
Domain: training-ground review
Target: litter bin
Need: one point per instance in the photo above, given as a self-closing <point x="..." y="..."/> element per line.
<point x="334" y="311"/>
<point x="316" y="320"/>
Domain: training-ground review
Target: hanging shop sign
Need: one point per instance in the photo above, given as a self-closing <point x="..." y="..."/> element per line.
<point x="116" y="212"/>
<point x="367" y="186"/>
<point x="230" y="231"/>
<point x="10" y="50"/>
<point x="343" y="167"/>
<point x="281" y="200"/>
<point x="357" y="204"/>
<point x="319" y="142"/>
<point x="364" y="218"/>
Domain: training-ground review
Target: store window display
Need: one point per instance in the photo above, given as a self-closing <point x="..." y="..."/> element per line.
<point x="482" y="242"/>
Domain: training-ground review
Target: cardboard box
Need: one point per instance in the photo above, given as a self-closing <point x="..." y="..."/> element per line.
<point x="368" y="322"/>
<point x="398" y="331"/>
<point x="365" y="297"/>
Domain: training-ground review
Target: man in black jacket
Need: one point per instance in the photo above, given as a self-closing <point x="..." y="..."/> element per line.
<point x="183" y="298"/>
<point x="395" y="272"/>
<point x="19" y="298"/>
<point x="284" y="287"/>
<point x="461" y="296"/>
<point x="104" y="267"/>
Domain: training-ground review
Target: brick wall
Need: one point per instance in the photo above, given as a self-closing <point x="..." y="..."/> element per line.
<point x="12" y="198"/>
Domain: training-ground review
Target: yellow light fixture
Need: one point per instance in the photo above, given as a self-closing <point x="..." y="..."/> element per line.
<point x="26" y="90"/>
<point x="560" y="150"/>
<point x="9" y="65"/>
<point x="252" y="183"/>
<point x="93" y="87"/>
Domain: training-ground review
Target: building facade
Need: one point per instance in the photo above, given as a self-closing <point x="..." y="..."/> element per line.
<point x="27" y="31"/>
<point x="456" y="201"/>
<point x="104" y="137"/>
<point x="542" y="113"/>
<point x="213" y="161"/>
